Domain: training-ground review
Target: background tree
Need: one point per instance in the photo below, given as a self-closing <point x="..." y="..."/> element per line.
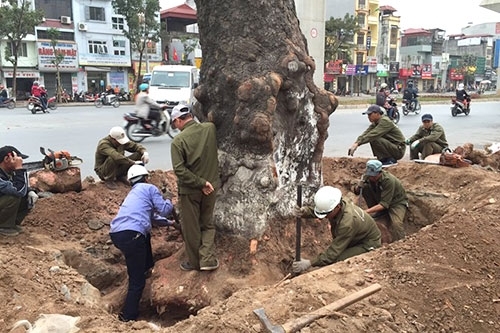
<point x="189" y="45"/>
<point x="272" y="120"/>
<point x="142" y="26"/>
<point x="339" y="35"/>
<point x="58" y="58"/>
<point x="18" y="20"/>
<point x="469" y="67"/>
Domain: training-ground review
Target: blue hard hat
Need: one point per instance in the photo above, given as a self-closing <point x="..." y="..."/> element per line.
<point x="143" y="87"/>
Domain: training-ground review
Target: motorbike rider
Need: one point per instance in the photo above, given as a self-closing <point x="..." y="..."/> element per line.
<point x="3" y="94"/>
<point x="410" y="94"/>
<point x="37" y="92"/>
<point x="43" y="95"/>
<point x="146" y="107"/>
<point x="462" y="95"/>
<point x="109" y="94"/>
<point x="383" y="99"/>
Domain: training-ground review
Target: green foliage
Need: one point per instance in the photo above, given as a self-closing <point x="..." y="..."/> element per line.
<point x="189" y="45"/>
<point x="339" y="34"/>
<point x="18" y="20"/>
<point x="142" y="21"/>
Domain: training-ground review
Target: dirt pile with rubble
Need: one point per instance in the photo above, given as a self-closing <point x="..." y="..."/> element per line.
<point x="442" y="278"/>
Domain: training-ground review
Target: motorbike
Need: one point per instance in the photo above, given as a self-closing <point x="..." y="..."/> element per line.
<point x="138" y="129"/>
<point x="408" y="106"/>
<point x="9" y="103"/>
<point x="395" y="112"/>
<point x="458" y="107"/>
<point x="35" y="105"/>
<point x="105" y="99"/>
<point x="124" y="96"/>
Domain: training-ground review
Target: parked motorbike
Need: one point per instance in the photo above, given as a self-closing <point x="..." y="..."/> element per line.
<point x="35" y="104"/>
<point x="9" y="103"/>
<point x="105" y="99"/>
<point x="124" y="96"/>
<point x="458" y="107"/>
<point x="138" y="129"/>
<point x="395" y="112"/>
<point x="413" y="106"/>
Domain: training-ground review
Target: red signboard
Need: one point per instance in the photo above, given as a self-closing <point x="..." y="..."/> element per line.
<point x="427" y="71"/>
<point x="456" y="74"/>
<point x="334" y="67"/>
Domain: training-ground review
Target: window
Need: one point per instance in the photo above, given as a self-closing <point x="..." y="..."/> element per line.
<point x="22" y="51"/>
<point x="150" y="47"/>
<point x="360" y="58"/>
<point x="394" y="35"/>
<point x="361" y="39"/>
<point x="119" y="47"/>
<point x="95" y="13"/>
<point x="361" y="20"/>
<point x="63" y="35"/>
<point x="118" y="23"/>
<point x="98" y="47"/>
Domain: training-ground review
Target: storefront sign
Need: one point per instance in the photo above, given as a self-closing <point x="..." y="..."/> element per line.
<point x="427" y="71"/>
<point x="372" y="64"/>
<point x="104" y="60"/>
<point x="46" y="57"/>
<point x="22" y="74"/>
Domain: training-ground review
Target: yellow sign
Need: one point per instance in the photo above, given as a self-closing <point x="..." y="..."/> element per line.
<point x="197" y="62"/>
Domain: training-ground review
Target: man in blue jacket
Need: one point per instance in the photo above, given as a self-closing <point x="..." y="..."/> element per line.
<point x="130" y="231"/>
<point x="15" y="196"/>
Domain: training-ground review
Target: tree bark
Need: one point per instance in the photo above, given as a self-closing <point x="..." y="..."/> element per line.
<point x="272" y="120"/>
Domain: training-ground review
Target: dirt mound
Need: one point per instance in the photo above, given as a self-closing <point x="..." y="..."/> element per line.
<point x="442" y="278"/>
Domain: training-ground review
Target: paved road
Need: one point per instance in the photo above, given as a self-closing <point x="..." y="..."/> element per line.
<point x="78" y="128"/>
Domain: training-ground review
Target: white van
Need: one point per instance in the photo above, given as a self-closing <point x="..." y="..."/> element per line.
<point x="173" y="84"/>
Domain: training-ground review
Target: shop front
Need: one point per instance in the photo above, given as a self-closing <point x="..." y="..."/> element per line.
<point x="100" y="70"/>
<point x="24" y="81"/>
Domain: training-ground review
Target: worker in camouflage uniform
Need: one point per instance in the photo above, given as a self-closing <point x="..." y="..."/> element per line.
<point x="111" y="164"/>
<point x="384" y="194"/>
<point x="429" y="139"/>
<point x="354" y="231"/>
<point x="385" y="138"/>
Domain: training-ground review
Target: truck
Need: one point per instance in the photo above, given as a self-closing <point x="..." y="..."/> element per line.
<point x="173" y="84"/>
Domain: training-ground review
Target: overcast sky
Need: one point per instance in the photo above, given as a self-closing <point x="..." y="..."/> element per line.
<point x="450" y="15"/>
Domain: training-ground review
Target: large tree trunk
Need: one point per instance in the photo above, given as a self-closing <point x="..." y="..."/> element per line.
<point x="257" y="87"/>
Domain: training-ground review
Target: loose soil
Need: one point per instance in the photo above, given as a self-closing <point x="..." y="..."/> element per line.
<point x="443" y="277"/>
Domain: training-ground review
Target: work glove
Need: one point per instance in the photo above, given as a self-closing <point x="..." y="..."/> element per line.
<point x="145" y="157"/>
<point x="415" y="144"/>
<point x="352" y="149"/>
<point x="407" y="142"/>
<point x="32" y="199"/>
<point x="300" y="266"/>
<point x="299" y="211"/>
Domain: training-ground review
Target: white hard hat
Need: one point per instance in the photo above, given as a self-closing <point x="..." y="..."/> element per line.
<point x="136" y="172"/>
<point x="119" y="135"/>
<point x="325" y="200"/>
<point x="383" y="85"/>
<point x="460" y="86"/>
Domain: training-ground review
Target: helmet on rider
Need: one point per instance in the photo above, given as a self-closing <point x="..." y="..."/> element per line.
<point x="410" y="84"/>
<point x="325" y="200"/>
<point x="143" y="87"/>
<point x="461" y="86"/>
<point x="383" y="86"/>
<point x="35" y="83"/>
<point x="136" y="173"/>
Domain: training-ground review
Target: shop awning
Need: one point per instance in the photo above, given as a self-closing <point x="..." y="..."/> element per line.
<point x="97" y="69"/>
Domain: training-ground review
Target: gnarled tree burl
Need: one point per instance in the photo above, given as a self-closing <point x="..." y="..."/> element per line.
<point x="257" y="87"/>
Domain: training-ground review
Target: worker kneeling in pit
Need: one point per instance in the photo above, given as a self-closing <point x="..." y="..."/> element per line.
<point x="353" y="230"/>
